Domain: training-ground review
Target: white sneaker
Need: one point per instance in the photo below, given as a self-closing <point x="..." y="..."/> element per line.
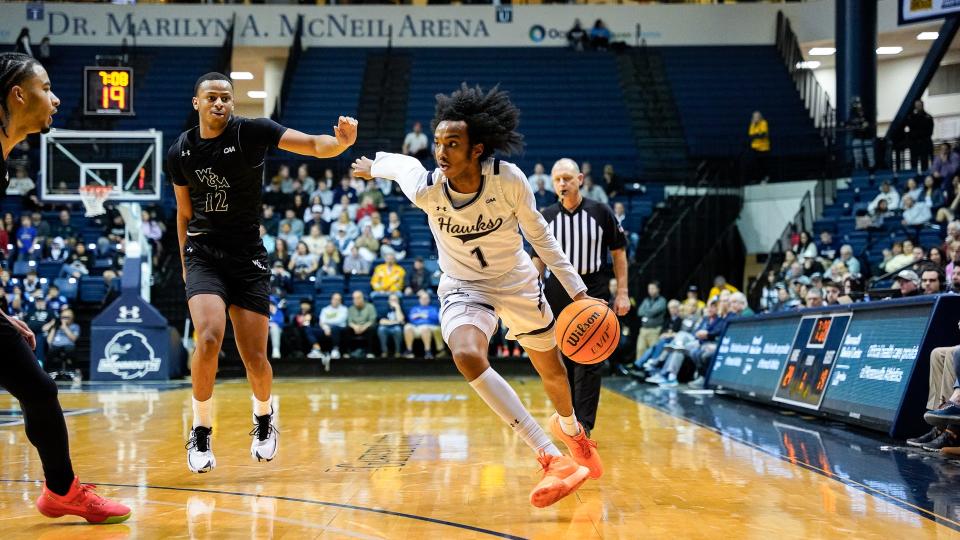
<point x="314" y="353"/>
<point x="275" y="355"/>
<point x="335" y="353"/>
<point x="265" y="437"/>
<point x="656" y="379"/>
<point x="200" y="457"/>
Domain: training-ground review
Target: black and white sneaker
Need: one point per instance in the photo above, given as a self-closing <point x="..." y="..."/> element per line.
<point x="946" y="439"/>
<point x="925" y="438"/>
<point x="265" y="437"/>
<point x="200" y="457"/>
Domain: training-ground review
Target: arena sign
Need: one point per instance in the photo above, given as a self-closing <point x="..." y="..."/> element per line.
<point x="405" y="26"/>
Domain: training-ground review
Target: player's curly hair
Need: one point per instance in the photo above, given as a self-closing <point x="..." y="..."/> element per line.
<point x="15" y="68"/>
<point x="491" y="118"/>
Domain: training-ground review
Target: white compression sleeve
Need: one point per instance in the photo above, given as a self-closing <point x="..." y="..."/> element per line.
<point x="500" y="397"/>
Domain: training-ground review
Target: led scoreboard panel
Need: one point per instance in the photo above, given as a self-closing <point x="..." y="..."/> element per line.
<point x="752" y="355"/>
<point x="108" y="91"/>
<point x="875" y="361"/>
<point x="865" y="364"/>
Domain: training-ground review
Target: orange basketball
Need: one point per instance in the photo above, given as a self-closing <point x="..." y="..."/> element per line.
<point x="587" y="331"/>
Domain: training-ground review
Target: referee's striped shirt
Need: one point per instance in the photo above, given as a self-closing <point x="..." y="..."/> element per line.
<point x="586" y="234"/>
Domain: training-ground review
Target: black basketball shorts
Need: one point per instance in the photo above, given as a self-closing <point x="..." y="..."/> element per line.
<point x="241" y="276"/>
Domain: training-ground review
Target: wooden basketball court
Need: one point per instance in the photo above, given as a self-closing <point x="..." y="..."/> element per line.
<point x="410" y="458"/>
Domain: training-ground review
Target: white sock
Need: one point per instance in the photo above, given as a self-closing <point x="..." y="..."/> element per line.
<point x="261" y="408"/>
<point x="202" y="413"/>
<point x="569" y="424"/>
<point x="499" y="396"/>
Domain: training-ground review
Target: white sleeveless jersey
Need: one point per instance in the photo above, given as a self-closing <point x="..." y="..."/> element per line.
<point x="481" y="240"/>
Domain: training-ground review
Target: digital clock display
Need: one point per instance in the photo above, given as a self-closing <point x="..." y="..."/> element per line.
<point x="108" y="91"/>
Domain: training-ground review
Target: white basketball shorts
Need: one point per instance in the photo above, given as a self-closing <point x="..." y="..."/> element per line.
<point x="516" y="297"/>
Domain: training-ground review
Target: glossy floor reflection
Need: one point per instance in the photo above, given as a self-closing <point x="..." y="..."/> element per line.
<point x="410" y="458"/>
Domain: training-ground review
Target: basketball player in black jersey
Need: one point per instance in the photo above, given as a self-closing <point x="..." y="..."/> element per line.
<point x="587" y="230"/>
<point x="27" y="105"/>
<point x="217" y="172"/>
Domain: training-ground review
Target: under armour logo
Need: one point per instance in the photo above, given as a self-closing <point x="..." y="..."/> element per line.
<point x="441" y="209"/>
<point x="184" y="153"/>
<point x="129" y="312"/>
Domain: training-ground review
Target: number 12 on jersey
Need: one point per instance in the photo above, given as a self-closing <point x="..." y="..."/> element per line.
<point x="479" y="255"/>
<point x="217" y="202"/>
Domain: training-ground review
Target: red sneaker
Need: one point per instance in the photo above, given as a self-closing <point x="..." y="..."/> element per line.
<point x="582" y="449"/>
<point x="561" y="477"/>
<point x="81" y="501"/>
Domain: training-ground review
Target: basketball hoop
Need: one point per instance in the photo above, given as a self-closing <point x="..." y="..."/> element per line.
<point x="93" y="197"/>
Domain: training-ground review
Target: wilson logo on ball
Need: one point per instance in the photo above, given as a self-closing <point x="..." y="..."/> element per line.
<point x="587" y="331"/>
<point x="581" y="329"/>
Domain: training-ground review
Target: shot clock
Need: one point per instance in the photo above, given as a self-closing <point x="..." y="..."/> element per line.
<point x="108" y="91"/>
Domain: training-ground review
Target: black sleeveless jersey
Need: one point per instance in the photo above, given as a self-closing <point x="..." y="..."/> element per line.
<point x="225" y="177"/>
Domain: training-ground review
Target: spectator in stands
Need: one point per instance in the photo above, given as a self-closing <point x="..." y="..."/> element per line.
<point x="805" y="248"/>
<point x="599" y="36"/>
<point x="831" y="293"/>
<point x="345" y="189"/>
<point x="21" y="184"/>
<point x="393" y="222"/>
<point x="31" y="282"/>
<point x="377" y="226"/>
<point x="395" y="244"/>
<point x="59" y="251"/>
<point x="296" y="224"/>
<point x="769" y="295"/>
<point x="593" y="191"/>
<point x="719" y="285"/>
<point x="302" y="263"/>
<point x="286" y="182"/>
<point x="902" y="256"/>
<point x="946" y="164"/>
<point x="416" y="143"/>
<point x="22" y="43"/>
<point x="315" y="241"/>
<point x="738" y="305"/>
<point x="345" y="224"/>
<point x="62" y="334"/>
<point x="912" y="189"/>
<point x="151" y="229"/>
<point x="908" y="282"/>
<point x="879" y="213"/>
<point x="38" y="317"/>
<point x="361" y="325"/>
<point x="612" y="182"/>
<point x="323" y="194"/>
<point x="785" y="301"/>
<point x="936" y="257"/>
<point x="943" y="395"/>
<point x="577" y="36"/>
<point x="424" y="322"/>
<point x="391" y="327"/>
<point x="342" y="241"/>
<point x="863" y="136"/>
<point x="919" y="126"/>
<point x="693" y="300"/>
<point x="953" y="234"/>
<point x="276" y="322"/>
<point x="826" y="247"/>
<point x="333" y="321"/>
<point x="364" y="211"/>
<point x="585" y="169"/>
<point x="281" y="283"/>
<point x="388" y="276"/>
<point x="281" y="254"/>
<point x="269" y="220"/>
<point x="814" y="298"/>
<point x="55" y="301"/>
<point x="287" y="235"/>
<point x="887" y="193"/>
<point x="789" y="259"/>
<point x="931" y="280"/>
<point x="308" y="327"/>
<point x="79" y="263"/>
<point x="759" y="133"/>
<point x="269" y="241"/>
<point x="539" y="174"/>
<point x="915" y="214"/>
<point x="354" y="263"/>
<point x="307" y="182"/>
<point x="652" y="313"/>
<point x="543" y="197"/>
<point x="375" y="195"/>
<point x="418" y="279"/>
<point x="26" y="236"/>
<point x="368" y="245"/>
<point x="313" y="215"/>
<point x="955" y="283"/>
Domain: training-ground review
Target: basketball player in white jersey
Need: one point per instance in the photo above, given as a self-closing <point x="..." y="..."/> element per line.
<point x="477" y="205"/>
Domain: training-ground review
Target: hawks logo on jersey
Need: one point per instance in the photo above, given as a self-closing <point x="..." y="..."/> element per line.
<point x="466" y="233"/>
<point x="210" y="178"/>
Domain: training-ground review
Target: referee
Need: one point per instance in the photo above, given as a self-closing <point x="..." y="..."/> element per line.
<point x="586" y="230"/>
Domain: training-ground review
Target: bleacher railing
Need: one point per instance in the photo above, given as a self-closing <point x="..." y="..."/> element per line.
<point x="815" y="98"/>
<point x="293" y="60"/>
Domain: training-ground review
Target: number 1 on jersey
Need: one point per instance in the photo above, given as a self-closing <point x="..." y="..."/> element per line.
<point x="479" y="254"/>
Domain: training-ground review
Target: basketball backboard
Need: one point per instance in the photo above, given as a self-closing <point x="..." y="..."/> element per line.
<point x="128" y="161"/>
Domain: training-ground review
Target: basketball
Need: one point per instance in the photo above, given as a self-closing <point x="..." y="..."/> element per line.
<point x="588" y="331"/>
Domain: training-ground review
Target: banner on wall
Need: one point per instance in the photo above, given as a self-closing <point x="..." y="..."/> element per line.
<point x="911" y="11"/>
<point x="405" y="26"/>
